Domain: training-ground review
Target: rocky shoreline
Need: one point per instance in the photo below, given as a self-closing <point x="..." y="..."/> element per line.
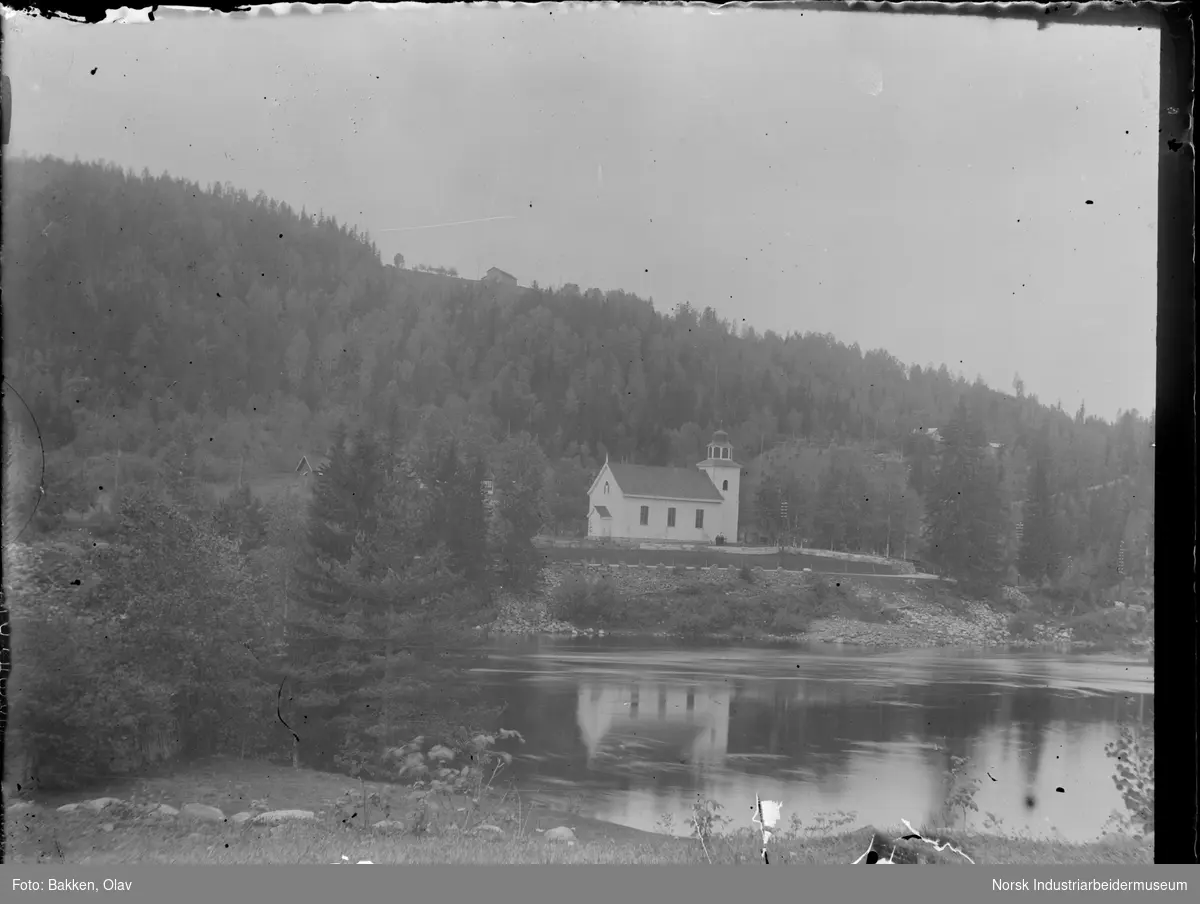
<point x="919" y="621"/>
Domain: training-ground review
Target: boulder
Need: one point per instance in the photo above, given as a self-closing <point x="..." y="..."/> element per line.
<point x="239" y="818"/>
<point x="165" y="810"/>
<point x="389" y="825"/>
<point x="68" y="808"/>
<point x="100" y="803"/>
<point x="20" y="806"/>
<point x="274" y="817"/>
<point x="203" y="812"/>
<point x="560" y="835"/>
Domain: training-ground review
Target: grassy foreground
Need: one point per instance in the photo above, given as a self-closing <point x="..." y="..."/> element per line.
<point x="317" y="843"/>
<point x="507" y="830"/>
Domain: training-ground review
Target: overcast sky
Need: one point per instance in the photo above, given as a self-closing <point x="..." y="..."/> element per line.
<point x="911" y="183"/>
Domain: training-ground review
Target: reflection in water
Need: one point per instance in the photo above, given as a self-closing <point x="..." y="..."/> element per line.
<point x="683" y="722"/>
<point x="641" y="732"/>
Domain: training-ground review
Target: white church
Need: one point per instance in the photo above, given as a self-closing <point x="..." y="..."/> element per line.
<point x="652" y="503"/>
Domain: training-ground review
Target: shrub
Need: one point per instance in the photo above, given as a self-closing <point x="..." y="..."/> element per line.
<point x="690" y="624"/>
<point x="117" y="661"/>
<point x="584" y="601"/>
<point x="888" y="615"/>
<point x="825" y="601"/>
<point x="789" y="622"/>
<point x="1105" y="626"/>
<point x="962" y="790"/>
<point x="1134" y="774"/>
<point x="746" y="574"/>
<point x="1022" y="625"/>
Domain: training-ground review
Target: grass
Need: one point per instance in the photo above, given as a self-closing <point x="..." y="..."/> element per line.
<point x="41" y="834"/>
<point x="322" y="843"/>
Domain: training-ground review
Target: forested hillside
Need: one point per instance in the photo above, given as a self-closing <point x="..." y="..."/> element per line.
<point x="207" y="335"/>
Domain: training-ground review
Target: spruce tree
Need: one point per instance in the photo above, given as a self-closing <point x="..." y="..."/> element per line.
<point x="325" y="657"/>
<point x="965" y="514"/>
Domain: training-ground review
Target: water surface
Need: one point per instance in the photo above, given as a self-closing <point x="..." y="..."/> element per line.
<point x="631" y="731"/>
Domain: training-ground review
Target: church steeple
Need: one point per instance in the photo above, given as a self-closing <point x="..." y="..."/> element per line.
<point x="726" y="475"/>
<point x="719" y="447"/>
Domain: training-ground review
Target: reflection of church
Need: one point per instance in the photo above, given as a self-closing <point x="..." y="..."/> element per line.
<point x="694" y="720"/>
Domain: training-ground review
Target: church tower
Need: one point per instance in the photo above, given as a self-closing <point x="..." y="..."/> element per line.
<point x="726" y="475"/>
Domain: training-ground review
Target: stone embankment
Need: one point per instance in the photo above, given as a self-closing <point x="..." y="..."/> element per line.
<point x="920" y="620"/>
<point x="923" y="623"/>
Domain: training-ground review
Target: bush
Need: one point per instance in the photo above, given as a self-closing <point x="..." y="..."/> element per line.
<point x="884" y="615"/>
<point x="1134" y="774"/>
<point x="1022" y="625"/>
<point x="785" y="622"/>
<point x="119" y="661"/>
<point x="1106" y="626"/>
<point x="825" y="601"/>
<point x="691" y="624"/>
<point x="584" y="601"/>
<point x="746" y="574"/>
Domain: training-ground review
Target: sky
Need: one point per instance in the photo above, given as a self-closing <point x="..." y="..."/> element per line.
<point x="917" y="184"/>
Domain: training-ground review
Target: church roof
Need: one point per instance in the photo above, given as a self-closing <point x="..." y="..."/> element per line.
<point x="664" y="483"/>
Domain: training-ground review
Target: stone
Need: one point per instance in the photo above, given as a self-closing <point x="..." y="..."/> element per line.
<point x="165" y="810"/>
<point x="204" y="812"/>
<point x="100" y="803"/>
<point x="489" y="829"/>
<point x="239" y="818"/>
<point x="389" y="825"/>
<point x="274" y="817"/>
<point x="107" y="827"/>
<point x="68" y="808"/>
<point x="20" y="806"/>
<point x="560" y="835"/>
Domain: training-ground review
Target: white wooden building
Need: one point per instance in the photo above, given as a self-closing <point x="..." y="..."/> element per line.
<point x="654" y="503"/>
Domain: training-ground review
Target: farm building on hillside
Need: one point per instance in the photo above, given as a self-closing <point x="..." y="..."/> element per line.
<point x="652" y="503"/>
<point x="310" y="465"/>
<point x="496" y="276"/>
<point x="935" y="434"/>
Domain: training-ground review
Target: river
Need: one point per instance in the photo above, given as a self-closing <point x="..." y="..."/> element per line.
<point x="629" y="731"/>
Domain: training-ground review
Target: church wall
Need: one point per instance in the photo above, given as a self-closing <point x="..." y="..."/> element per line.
<point x="685" y="520"/>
